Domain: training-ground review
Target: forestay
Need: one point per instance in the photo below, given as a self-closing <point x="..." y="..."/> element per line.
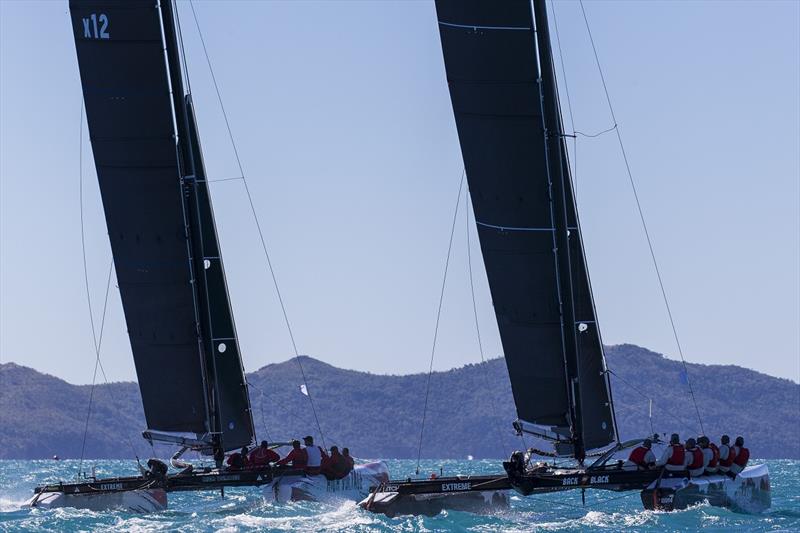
<point x="526" y="217"/>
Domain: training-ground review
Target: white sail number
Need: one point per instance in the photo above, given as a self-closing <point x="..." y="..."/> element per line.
<point x="93" y="30"/>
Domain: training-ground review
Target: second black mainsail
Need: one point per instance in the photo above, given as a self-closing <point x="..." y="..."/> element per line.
<point x="505" y="100"/>
<point x="160" y="221"/>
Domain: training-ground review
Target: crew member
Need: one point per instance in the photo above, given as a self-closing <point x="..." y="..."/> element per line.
<point x="742" y="456"/>
<point x="643" y="456"/>
<point x="674" y="456"/>
<point x="336" y="466"/>
<point x="315" y="456"/>
<point x="262" y="456"/>
<point x="297" y="457"/>
<point x="348" y="459"/>
<point x="726" y="455"/>
<point x="710" y="454"/>
<point x="696" y="460"/>
<point x="238" y="460"/>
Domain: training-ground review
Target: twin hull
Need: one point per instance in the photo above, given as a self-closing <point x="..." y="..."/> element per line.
<point x="282" y="488"/>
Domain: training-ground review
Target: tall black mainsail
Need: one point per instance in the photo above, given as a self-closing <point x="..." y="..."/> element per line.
<point x="160" y="221"/>
<point x="505" y="100"/>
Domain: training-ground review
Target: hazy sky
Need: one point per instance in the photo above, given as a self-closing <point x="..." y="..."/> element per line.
<point x="344" y="126"/>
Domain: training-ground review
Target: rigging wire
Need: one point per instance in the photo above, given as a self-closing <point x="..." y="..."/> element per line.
<point x="438" y="315"/>
<point x="478" y="327"/>
<point x="569" y="104"/>
<point x="96" y="339"/>
<point x="258" y="224"/>
<point x="644" y="395"/>
<point x="642" y="218"/>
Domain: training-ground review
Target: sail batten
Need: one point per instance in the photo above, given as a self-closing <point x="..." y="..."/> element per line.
<point x="505" y="110"/>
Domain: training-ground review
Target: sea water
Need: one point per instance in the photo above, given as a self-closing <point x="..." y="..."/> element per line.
<point x="246" y="510"/>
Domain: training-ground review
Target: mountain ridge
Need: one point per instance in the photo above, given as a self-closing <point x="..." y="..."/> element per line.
<point x="378" y="415"/>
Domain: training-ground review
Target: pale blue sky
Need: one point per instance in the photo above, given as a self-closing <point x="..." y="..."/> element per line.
<point x="345" y="130"/>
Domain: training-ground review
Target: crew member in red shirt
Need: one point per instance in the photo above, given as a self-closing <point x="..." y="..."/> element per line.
<point x="696" y="461"/>
<point x="297" y="457"/>
<point x="742" y="456"/>
<point x="238" y="460"/>
<point x="726" y="455"/>
<point x="710" y="454"/>
<point x="348" y="458"/>
<point x="334" y="466"/>
<point x="262" y="456"/>
<point x="674" y="457"/>
<point x="643" y="456"/>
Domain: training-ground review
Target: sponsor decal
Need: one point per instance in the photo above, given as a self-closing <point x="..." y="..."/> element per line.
<point x="110" y="486"/>
<point x="450" y="487"/>
<point x="584" y="480"/>
<point x="214" y="479"/>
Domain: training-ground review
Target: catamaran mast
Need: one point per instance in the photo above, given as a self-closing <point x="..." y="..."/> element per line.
<point x="553" y="132"/>
<point x="186" y="164"/>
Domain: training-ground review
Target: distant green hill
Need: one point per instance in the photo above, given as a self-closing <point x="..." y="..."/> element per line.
<point x="470" y="409"/>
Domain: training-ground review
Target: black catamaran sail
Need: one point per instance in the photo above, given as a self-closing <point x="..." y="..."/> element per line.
<point x="505" y="100"/>
<point x="160" y="222"/>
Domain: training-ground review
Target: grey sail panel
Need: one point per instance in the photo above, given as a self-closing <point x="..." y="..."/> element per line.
<point x="222" y="345"/>
<point x="489" y="54"/>
<point x="126" y="94"/>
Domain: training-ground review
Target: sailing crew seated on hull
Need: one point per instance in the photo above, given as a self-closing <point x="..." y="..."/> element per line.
<point x="350" y="462"/>
<point x="674" y="457"/>
<point x="696" y="460"/>
<point x="238" y="460"/>
<point x="298" y="457"/>
<point x="335" y="467"/>
<point x="262" y="456"/>
<point x="741" y="458"/>
<point x="726" y="455"/>
<point x="315" y="456"/>
<point x="710" y="454"/>
<point x="642" y="456"/>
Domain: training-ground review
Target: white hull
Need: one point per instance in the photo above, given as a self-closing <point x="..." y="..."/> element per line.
<point x="134" y="501"/>
<point x="355" y="486"/>
<point x="749" y="492"/>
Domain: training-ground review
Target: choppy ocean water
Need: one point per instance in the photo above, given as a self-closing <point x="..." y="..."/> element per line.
<point x="245" y="510"/>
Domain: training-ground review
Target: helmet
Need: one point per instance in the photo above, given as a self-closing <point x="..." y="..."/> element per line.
<point x="690" y="443"/>
<point x="675" y="439"/>
<point x="703" y="441"/>
<point x="647" y="443"/>
<point x="739" y="441"/>
<point x="725" y="439"/>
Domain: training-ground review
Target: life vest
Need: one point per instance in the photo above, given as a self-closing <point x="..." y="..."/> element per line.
<point x="728" y="461"/>
<point x="697" y="459"/>
<point x="742" y="457"/>
<point x="263" y="456"/>
<point x="714" y="458"/>
<point x="637" y="456"/>
<point x="678" y="455"/>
